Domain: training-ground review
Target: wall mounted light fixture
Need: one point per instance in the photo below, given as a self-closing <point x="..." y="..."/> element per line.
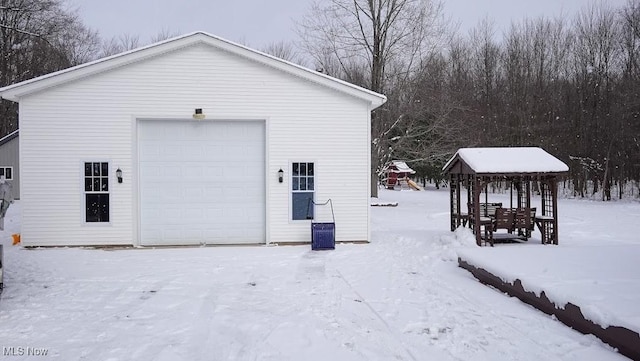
<point x="198" y="114"/>
<point x="119" y="175"/>
<point x="280" y="176"/>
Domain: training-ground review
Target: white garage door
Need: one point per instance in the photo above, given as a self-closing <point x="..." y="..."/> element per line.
<point x="201" y="182"/>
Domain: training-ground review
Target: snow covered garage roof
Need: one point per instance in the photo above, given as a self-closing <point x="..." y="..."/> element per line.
<point x="504" y="160"/>
<point x="16" y="91"/>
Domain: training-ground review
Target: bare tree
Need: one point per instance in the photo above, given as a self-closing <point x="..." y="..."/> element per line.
<point x="79" y="43"/>
<point x="627" y="94"/>
<point x="596" y="56"/>
<point x="38" y="37"/>
<point x="119" y="44"/>
<point x="486" y="76"/>
<point x="386" y="38"/>
<point x="164" y="34"/>
<point x="285" y="51"/>
<point x="433" y="128"/>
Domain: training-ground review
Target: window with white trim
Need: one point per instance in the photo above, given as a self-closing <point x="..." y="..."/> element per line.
<point x="7" y="172"/>
<point x="302" y="190"/>
<point x="96" y="190"/>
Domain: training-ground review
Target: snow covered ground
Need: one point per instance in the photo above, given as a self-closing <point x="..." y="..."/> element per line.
<point x="401" y="297"/>
<point x="603" y="280"/>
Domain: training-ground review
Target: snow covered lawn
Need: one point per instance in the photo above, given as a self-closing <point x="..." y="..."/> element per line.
<point x="603" y="280"/>
<point x="595" y="265"/>
<point x="401" y="297"/>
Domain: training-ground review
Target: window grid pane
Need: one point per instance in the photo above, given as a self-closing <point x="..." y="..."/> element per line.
<point x="97" y="207"/>
<point x="96" y="186"/>
<point x="302" y="178"/>
<point x="301" y="207"/>
<point x="302" y="186"/>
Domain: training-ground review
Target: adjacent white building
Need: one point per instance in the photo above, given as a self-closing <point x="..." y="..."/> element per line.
<point x="10" y="161"/>
<point x="215" y="144"/>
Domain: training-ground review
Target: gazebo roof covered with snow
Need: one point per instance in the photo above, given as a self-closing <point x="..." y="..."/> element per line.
<point x="475" y="168"/>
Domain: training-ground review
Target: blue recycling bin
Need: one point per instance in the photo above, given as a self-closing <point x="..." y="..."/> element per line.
<point x="323" y="236"/>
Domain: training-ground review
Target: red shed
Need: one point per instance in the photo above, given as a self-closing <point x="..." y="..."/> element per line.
<point x="397" y="173"/>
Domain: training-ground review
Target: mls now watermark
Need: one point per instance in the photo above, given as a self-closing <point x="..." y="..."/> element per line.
<point x="24" y="351"/>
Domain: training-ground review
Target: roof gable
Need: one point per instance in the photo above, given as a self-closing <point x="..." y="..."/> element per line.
<point x="16" y="91"/>
<point x="506" y="160"/>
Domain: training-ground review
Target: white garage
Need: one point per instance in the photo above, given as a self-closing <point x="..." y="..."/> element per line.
<point x="201" y="182"/>
<point x="194" y="140"/>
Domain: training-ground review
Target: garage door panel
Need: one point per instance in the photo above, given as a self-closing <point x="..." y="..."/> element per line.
<point x="211" y="148"/>
<point x="192" y="172"/>
<point x="195" y="214"/>
<point x="150" y="149"/>
<point x="201" y="182"/>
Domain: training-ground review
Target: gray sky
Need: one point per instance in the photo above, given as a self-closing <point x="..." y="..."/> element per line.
<point x="258" y="23"/>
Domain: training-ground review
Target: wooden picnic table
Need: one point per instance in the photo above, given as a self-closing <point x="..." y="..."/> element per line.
<point x="494" y="217"/>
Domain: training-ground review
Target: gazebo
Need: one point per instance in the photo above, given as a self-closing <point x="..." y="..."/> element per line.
<point x="517" y="167"/>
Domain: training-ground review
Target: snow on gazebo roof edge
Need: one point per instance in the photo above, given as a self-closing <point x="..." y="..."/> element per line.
<point x="505" y="160"/>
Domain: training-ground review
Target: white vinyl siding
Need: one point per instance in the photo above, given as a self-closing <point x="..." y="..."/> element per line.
<point x="95" y="118"/>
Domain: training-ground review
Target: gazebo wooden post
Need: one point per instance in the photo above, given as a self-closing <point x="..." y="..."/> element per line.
<point x="549" y="222"/>
<point x="454" y="199"/>
<point x="527" y="183"/>
<point x="486" y="194"/>
<point x="476" y="209"/>
<point x="543" y="198"/>
<point x="452" y="188"/>
<point x="511" y="192"/>
<point x="553" y="185"/>
<point x="518" y="183"/>
<point x="458" y="192"/>
<point x="469" y="194"/>
<point x="530" y="220"/>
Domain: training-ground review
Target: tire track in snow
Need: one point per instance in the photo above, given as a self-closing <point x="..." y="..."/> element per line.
<point x="478" y="314"/>
<point x="461" y="326"/>
<point x="391" y="331"/>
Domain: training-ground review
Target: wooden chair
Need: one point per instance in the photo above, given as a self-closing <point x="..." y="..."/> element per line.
<point x="485" y="221"/>
<point x="524" y="221"/>
<point x="504" y="220"/>
<point x="489" y="209"/>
